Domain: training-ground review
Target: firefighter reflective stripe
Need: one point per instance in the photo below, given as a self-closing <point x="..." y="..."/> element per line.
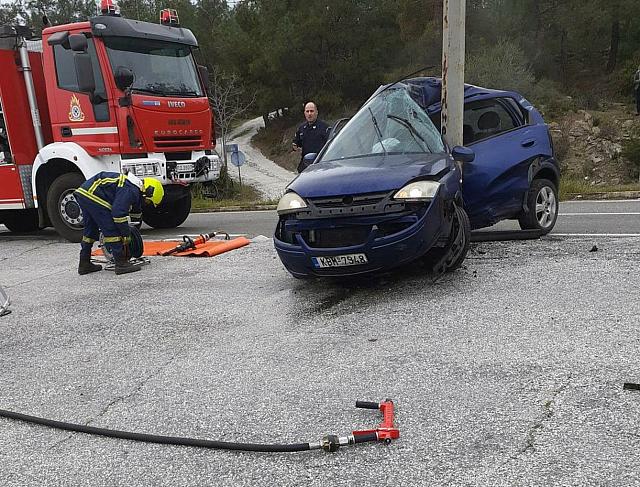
<point x="87" y="239"/>
<point x="93" y="198"/>
<point x="112" y="239"/>
<point x="135" y="215"/>
<point x="121" y="180"/>
<point x="101" y="181"/>
<point x="120" y="219"/>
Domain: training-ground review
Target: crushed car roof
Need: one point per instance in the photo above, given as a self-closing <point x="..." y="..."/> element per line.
<point x="426" y="91"/>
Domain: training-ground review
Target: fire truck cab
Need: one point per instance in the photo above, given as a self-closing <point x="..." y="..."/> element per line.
<point x="110" y="94"/>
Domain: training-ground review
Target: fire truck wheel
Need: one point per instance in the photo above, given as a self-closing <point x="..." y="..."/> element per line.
<point x="22" y="221"/>
<point x="63" y="210"/>
<point x="168" y="215"/>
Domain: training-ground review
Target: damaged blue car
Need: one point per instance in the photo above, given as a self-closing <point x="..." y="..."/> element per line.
<point x="387" y="190"/>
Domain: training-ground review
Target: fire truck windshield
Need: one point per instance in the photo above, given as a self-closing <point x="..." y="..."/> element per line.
<point x="159" y="68"/>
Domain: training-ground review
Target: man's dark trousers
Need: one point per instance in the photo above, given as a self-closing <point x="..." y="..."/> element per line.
<point x="95" y="219"/>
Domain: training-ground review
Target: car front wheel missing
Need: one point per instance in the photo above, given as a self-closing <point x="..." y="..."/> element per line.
<point x="542" y="204"/>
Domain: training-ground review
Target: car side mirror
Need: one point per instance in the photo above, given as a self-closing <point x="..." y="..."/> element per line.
<point x="78" y="43"/>
<point x="84" y="73"/>
<point x="462" y="154"/>
<point x="124" y="78"/>
<point x="310" y="157"/>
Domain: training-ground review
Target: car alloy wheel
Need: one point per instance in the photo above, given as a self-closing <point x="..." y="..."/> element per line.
<point x="546" y="207"/>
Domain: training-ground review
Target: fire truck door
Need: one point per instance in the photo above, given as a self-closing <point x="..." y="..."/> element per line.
<point x="77" y="118"/>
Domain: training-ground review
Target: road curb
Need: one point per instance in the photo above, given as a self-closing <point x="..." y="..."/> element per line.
<point x="612" y="195"/>
<point x="235" y="208"/>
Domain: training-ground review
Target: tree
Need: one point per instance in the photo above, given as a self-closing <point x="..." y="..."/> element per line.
<point x="229" y="102"/>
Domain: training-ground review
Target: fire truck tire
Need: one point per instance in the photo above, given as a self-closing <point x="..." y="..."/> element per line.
<point x="64" y="212"/>
<point x="168" y="215"/>
<point x="21" y="221"/>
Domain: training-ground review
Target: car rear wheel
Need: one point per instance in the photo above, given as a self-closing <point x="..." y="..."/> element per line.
<point x="542" y="203"/>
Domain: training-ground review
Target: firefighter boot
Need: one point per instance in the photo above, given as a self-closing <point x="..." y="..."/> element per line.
<point x="87" y="267"/>
<point x="123" y="266"/>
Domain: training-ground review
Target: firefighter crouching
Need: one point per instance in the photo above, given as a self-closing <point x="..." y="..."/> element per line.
<point x="106" y="200"/>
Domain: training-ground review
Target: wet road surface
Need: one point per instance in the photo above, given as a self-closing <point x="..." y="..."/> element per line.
<point x="508" y="371"/>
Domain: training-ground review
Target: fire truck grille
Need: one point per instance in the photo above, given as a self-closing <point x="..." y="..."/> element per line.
<point x="177" y="141"/>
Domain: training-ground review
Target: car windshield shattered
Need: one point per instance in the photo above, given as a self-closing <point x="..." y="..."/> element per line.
<point x="390" y="123"/>
<point x="160" y="68"/>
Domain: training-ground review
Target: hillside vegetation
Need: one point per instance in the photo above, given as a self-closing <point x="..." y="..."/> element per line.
<point x="566" y="56"/>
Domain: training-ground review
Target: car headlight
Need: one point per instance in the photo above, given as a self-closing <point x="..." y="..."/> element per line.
<point x="290" y="203"/>
<point x="418" y="191"/>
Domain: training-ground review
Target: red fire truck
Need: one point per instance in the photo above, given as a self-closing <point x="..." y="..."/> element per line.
<point x="110" y="94"/>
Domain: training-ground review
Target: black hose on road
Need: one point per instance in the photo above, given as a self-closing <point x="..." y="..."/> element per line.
<point x="165" y="440"/>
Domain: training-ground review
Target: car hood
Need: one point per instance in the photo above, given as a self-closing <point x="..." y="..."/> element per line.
<point x="373" y="174"/>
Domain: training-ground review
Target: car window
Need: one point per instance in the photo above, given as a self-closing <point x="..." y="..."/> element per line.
<point x="516" y="110"/>
<point x="390" y="123"/>
<point x="486" y="118"/>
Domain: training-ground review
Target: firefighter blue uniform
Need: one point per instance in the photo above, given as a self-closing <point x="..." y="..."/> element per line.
<point x="107" y="200"/>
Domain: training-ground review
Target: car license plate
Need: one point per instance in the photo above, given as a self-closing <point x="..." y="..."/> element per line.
<point x="184" y="167"/>
<point x="339" y="260"/>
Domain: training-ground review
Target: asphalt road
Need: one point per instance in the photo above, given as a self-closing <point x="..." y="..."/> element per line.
<point x="508" y="371"/>
<point x="582" y="218"/>
<point x="576" y="218"/>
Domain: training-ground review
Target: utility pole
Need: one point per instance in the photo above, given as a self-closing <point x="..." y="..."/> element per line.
<point x="453" y="54"/>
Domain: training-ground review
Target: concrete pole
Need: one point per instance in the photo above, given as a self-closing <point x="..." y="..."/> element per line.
<point x="453" y="55"/>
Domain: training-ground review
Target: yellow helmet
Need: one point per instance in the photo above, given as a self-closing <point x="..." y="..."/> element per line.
<point x="153" y="190"/>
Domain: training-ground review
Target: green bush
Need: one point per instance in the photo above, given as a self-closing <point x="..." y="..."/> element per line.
<point x="631" y="152"/>
<point x="502" y="66"/>
<point x="622" y="78"/>
<point x="220" y="189"/>
<point x="561" y="142"/>
<point x="547" y="97"/>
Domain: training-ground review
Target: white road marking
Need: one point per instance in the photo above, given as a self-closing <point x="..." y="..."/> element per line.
<point x="596" y="213"/>
<point x="582" y="202"/>
<point x="595" y="234"/>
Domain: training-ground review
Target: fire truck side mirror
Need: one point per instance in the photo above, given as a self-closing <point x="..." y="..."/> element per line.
<point x="84" y="73"/>
<point x="204" y="76"/>
<point x="78" y="43"/>
<point x="124" y="78"/>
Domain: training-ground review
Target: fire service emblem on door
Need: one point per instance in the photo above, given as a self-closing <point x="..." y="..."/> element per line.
<point x="75" y="110"/>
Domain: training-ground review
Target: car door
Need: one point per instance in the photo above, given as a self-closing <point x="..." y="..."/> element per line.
<point x="495" y="183"/>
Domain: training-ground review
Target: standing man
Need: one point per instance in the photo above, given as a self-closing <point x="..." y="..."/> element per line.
<point x="107" y="200"/>
<point x="311" y="135"/>
<point x="636" y="89"/>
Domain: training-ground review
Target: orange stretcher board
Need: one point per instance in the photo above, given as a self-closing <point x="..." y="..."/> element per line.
<point x="207" y="249"/>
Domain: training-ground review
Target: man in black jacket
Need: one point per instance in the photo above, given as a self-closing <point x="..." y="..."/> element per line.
<point x="311" y="135"/>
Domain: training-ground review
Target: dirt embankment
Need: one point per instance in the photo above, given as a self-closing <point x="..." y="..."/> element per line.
<point x="275" y="141"/>
<point x="591" y="145"/>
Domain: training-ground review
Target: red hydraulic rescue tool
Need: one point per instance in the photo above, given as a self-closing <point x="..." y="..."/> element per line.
<point x="191" y="243"/>
<point x="385" y="432"/>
